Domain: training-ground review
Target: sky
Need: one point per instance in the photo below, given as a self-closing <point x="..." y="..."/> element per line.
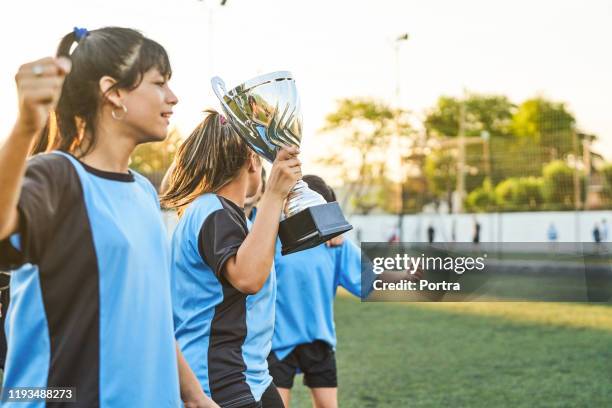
<point x="343" y="49"/>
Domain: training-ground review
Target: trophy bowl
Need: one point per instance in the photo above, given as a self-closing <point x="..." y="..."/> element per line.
<point x="265" y="111"/>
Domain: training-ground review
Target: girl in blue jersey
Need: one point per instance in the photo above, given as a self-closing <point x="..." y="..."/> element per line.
<point x="90" y="308"/>
<point x="304" y="332"/>
<point x="223" y="279"/>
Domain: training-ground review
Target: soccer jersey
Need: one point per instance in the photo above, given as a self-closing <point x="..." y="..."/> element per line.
<point x="306" y="287"/>
<point x="224" y="334"/>
<point x="90" y="301"/>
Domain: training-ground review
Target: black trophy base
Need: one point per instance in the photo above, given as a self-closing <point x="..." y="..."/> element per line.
<point x="311" y="227"/>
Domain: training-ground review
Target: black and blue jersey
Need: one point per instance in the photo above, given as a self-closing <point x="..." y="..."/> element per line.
<point x="90" y="291"/>
<point x="225" y="335"/>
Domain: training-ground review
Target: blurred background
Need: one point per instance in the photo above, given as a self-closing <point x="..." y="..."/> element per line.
<point x="438" y="121"/>
<point x="437" y="115"/>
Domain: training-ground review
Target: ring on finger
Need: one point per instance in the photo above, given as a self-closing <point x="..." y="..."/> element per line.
<point x="38" y="70"/>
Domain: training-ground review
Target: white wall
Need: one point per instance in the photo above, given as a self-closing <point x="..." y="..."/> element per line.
<point x="495" y="227"/>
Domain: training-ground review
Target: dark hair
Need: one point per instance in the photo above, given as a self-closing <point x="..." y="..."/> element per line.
<point x="210" y="158"/>
<point x="123" y="54"/>
<point x="319" y="185"/>
<point x="41" y="143"/>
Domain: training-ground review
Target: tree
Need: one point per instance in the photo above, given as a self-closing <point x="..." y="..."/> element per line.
<point x="505" y="193"/>
<point x="482" y="198"/>
<point x="408" y="197"/>
<point x="521" y="139"/>
<point x="153" y="159"/>
<point x="545" y="124"/>
<point x="482" y="113"/>
<point x="558" y="185"/>
<point x="491" y="113"/>
<point x="366" y="127"/>
<point x="524" y="193"/>
<point x="606" y="172"/>
<point x="529" y="193"/>
<point x="441" y="174"/>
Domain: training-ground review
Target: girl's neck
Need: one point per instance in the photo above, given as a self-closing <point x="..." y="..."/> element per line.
<point x="236" y="190"/>
<point x="111" y="151"/>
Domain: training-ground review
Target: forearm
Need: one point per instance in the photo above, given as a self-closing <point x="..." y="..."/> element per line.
<point x="253" y="262"/>
<point x="13" y="155"/>
<point x="191" y="390"/>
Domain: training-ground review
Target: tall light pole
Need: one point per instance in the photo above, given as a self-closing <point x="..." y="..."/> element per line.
<point x="461" y="159"/>
<point x="396" y="47"/>
<point x="211" y="31"/>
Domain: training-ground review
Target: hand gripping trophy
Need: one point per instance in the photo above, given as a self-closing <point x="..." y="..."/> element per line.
<point x="265" y="111"/>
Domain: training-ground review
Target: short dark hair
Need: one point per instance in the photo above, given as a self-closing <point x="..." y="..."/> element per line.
<point x="319" y="185"/>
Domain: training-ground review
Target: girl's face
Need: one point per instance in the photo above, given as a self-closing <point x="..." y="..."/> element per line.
<point x="149" y="107"/>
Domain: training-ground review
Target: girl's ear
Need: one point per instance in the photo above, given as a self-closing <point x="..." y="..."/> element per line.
<point x="114" y="96"/>
<point x="253" y="162"/>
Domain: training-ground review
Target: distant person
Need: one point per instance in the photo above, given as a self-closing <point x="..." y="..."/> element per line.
<point x="476" y="236"/>
<point x="358" y="234"/>
<point x="394" y="237"/>
<point x="604" y="230"/>
<point x="596" y="233"/>
<point x="552" y="233"/>
<point x="431" y="233"/>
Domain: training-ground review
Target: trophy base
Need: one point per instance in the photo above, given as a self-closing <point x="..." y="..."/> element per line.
<point x="311" y="227"/>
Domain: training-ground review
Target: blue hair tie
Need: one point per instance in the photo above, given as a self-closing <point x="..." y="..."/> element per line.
<point x="80" y="33"/>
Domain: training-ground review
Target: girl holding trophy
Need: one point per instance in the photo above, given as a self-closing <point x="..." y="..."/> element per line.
<point x="90" y="305"/>
<point x="223" y="278"/>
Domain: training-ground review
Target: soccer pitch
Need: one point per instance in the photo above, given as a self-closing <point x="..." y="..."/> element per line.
<point x="471" y="355"/>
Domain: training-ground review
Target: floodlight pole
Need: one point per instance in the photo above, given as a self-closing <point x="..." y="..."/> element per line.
<point x="396" y="47"/>
<point x="211" y="32"/>
<point x="461" y="159"/>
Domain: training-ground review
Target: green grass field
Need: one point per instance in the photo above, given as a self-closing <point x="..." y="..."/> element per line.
<point x="471" y="355"/>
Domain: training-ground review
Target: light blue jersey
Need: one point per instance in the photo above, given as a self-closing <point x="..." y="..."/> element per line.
<point x="307" y="283"/>
<point x="225" y="335"/>
<point x="90" y="292"/>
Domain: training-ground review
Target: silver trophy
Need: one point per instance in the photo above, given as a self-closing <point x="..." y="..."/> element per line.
<point x="265" y="112"/>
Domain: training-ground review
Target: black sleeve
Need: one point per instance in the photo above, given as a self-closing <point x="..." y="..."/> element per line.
<point x="10" y="258"/>
<point x="39" y="203"/>
<point x="219" y="239"/>
<point x="4" y="299"/>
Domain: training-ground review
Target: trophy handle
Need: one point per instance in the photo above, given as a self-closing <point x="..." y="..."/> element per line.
<point x="218" y="87"/>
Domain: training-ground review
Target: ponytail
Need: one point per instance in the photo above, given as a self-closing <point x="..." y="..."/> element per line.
<point x="210" y="158"/>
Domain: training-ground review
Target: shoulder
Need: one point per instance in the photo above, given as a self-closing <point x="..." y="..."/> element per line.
<point x="50" y="171"/>
<point x="200" y="209"/>
<point x="51" y="163"/>
<point x="222" y="229"/>
<point x="220" y="216"/>
<point x="348" y="248"/>
<point x="145" y="183"/>
<point x="349" y="245"/>
<point x="204" y="205"/>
